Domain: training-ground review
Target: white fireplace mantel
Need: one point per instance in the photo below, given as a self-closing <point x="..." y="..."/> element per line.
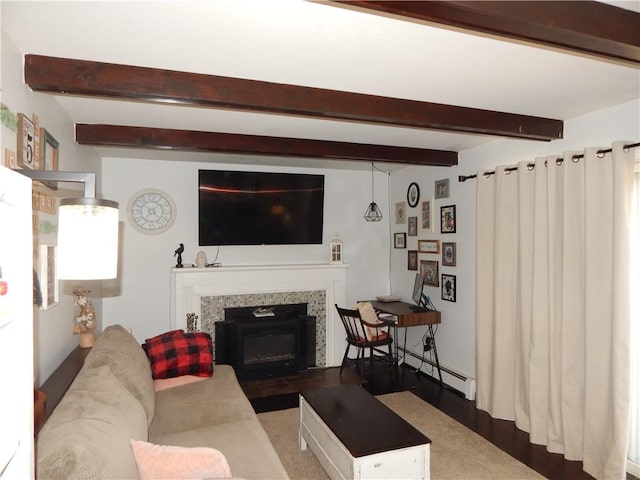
<point x="188" y="285"/>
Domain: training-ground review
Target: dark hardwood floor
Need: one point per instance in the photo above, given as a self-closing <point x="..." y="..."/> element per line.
<point x="282" y="393"/>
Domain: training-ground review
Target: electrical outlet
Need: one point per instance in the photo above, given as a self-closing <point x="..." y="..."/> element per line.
<point x="428" y="344"/>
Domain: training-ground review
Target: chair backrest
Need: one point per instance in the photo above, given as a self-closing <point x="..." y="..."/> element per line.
<point x="352" y="323"/>
<point x="360" y="329"/>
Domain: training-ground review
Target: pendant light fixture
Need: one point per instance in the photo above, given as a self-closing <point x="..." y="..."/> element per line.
<point x="373" y="213"/>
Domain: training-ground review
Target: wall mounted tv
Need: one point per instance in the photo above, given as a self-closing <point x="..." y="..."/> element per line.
<point x="259" y="208"/>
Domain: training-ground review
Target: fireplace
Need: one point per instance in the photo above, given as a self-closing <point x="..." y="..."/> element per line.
<point x="266" y="341"/>
<point x="206" y="291"/>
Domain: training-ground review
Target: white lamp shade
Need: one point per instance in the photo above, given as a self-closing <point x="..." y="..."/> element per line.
<point x="87" y="239"/>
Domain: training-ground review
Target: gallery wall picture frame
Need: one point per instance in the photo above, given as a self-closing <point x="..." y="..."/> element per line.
<point x="429" y="246"/>
<point x="427" y="215"/>
<point x="26" y="143"/>
<point x="412" y="226"/>
<point x="448" y="219"/>
<point x="448" y="287"/>
<point x="448" y="254"/>
<point x="400" y="240"/>
<point x="413" y="194"/>
<point x="412" y="260"/>
<point x="441" y="188"/>
<point x="429" y="270"/>
<point x="401" y="213"/>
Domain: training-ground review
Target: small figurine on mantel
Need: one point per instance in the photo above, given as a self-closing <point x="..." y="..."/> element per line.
<point x="192" y="322"/>
<point x="179" y="251"/>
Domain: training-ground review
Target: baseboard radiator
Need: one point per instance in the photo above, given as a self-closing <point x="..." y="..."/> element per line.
<point x="458" y="381"/>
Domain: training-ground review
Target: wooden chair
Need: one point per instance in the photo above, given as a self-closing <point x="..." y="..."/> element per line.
<point x="366" y="335"/>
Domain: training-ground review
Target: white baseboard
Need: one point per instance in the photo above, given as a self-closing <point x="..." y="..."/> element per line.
<point x="633" y="468"/>
<point x="456" y="380"/>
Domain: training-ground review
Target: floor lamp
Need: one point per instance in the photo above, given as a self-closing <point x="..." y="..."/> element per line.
<point x="87" y="229"/>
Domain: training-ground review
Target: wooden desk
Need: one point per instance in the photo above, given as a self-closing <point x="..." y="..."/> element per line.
<point x="407" y="315"/>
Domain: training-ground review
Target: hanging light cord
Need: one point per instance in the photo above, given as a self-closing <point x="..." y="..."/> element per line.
<point x="372" y="195"/>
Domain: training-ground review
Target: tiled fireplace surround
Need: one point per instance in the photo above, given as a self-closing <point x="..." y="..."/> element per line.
<point x="208" y="291"/>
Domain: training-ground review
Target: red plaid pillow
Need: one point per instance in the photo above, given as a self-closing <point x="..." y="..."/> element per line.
<point x="177" y="353"/>
<point x="158" y="337"/>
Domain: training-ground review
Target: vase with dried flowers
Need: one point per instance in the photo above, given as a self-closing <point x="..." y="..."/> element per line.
<point x="85" y="319"/>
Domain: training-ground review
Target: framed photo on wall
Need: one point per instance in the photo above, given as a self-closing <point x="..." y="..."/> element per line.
<point x="442" y="188"/>
<point x="412" y="228"/>
<point x="412" y="260"/>
<point x="427" y="208"/>
<point x="429" y="270"/>
<point x="448" y="219"/>
<point x="429" y="246"/>
<point x="449" y="254"/>
<point x="400" y="240"/>
<point x="401" y="212"/>
<point x="448" y="287"/>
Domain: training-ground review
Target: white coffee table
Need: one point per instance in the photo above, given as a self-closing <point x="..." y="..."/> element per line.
<point x="353" y="435"/>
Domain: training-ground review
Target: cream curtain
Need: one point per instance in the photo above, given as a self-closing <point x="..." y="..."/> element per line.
<point x="552" y="303"/>
<point x="634" y="434"/>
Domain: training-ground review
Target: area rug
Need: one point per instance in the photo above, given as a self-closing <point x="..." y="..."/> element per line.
<point x="457" y="453"/>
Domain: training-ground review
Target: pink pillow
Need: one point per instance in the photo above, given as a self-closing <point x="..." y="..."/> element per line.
<point x="164" y="383"/>
<point x="163" y="461"/>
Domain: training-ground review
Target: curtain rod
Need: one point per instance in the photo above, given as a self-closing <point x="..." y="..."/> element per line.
<point x="531" y="166"/>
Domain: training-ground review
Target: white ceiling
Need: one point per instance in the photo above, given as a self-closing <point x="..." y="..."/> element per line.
<point x="313" y="44"/>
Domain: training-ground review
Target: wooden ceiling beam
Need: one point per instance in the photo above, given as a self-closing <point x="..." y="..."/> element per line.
<point x="124" y="82"/>
<point x="584" y="27"/>
<point x="189" y="140"/>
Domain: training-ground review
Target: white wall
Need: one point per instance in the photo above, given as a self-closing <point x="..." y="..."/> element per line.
<point x="53" y="337"/>
<point x="140" y="298"/>
<point x="456" y="334"/>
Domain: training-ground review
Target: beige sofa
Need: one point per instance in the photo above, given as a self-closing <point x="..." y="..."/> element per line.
<point x="112" y="400"/>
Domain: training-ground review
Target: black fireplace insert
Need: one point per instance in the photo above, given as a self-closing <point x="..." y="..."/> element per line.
<point x="266" y="340"/>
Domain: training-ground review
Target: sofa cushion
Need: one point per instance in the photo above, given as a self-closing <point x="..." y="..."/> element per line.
<point x="118" y="349"/>
<point x="179" y="353"/>
<point x="88" y="434"/>
<point x="244" y="444"/>
<point x="215" y="400"/>
<point x="166" y="461"/>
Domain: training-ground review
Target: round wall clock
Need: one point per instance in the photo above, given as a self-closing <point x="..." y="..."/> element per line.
<point x="151" y="211"/>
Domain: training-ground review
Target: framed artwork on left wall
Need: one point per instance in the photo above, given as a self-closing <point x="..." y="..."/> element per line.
<point x="48" y="276"/>
<point x="27" y="143"/>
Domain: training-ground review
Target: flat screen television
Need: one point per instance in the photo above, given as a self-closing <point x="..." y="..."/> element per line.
<point x="259" y="208"/>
